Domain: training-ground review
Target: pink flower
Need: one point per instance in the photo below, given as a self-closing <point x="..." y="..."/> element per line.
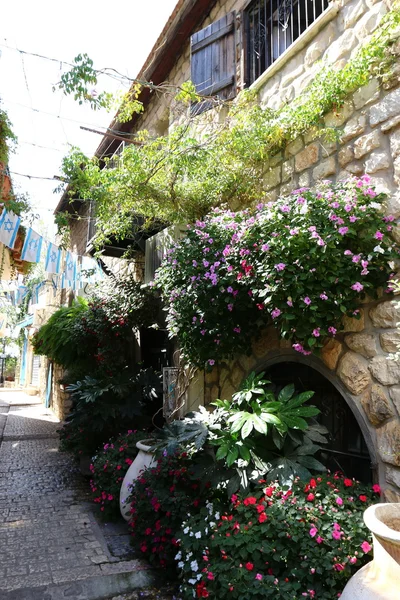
<point x="258" y="577"/>
<point x="338" y="567"/>
<point x="237" y="329"/>
<point x="275" y="313"/>
<point x="319" y="540"/>
<point x="210" y="576"/>
<point x="378" y="235"/>
<point x="230" y="307"/>
<point x="307" y="301"/>
<point x="343" y="230"/>
<point x="332" y="330"/>
<point x="289" y="303"/>
<point x="280" y="266"/>
<point x="353" y="219"/>
<point x="366" y="547"/>
<point x="376" y="488"/>
<point x="265" y="247"/>
<point x="323" y="296"/>
<point x="357" y="286"/>
<point x="211" y="362"/>
<point x="313" y="532"/>
<point x="356" y="258"/>
<point x="339" y="501"/>
<point x="298" y="347"/>
<point x="316" y="332"/>
<point x="348" y="253"/>
<point x="336" y="535"/>
<point x="353" y="560"/>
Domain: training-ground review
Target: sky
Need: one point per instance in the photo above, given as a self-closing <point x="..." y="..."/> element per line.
<point x="114" y="34"/>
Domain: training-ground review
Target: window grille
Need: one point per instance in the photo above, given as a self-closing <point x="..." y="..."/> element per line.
<point x="271" y="26"/>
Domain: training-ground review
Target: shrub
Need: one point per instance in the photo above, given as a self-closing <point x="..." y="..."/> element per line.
<point x="278" y="543"/>
<point x="103" y="407"/>
<point x="161" y="498"/>
<point x="301" y="263"/>
<point x="108" y="469"/>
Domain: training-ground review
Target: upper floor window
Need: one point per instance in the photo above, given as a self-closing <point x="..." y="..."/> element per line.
<point x="271" y="26"/>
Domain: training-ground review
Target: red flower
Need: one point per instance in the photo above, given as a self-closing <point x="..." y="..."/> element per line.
<point x="250" y="500"/>
<point x="249" y="566"/>
<point x="262" y="518"/>
<point x="313" y="483"/>
<point x="376" y="488"/>
<point x="310" y="497"/>
<point x="347" y="482"/>
<point x="269" y="491"/>
<point x="363" y="498"/>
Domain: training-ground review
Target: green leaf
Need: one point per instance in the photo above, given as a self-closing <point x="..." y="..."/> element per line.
<point x="233" y="455"/>
<point x="247" y="428"/>
<point x="221" y="452"/>
<point x="286" y="393"/>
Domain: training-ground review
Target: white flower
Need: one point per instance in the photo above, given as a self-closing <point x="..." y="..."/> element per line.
<point x="181" y="564"/>
<point x="197" y="535"/>
<point x="217" y="516"/>
<point x="206" y="530"/>
<point x="188" y="555"/>
<point x="178" y="556"/>
<point x="186" y="530"/>
<point x="210" y="507"/>
<point x="192" y="581"/>
<point x="212" y="524"/>
<point x="191" y="534"/>
<point x="194" y="565"/>
<point x="379" y="249"/>
<point x="199" y="576"/>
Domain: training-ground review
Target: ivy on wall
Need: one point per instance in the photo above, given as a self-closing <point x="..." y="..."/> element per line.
<point x="202" y="163"/>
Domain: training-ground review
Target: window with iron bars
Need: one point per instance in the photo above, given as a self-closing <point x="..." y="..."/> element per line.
<point x="271" y="26"/>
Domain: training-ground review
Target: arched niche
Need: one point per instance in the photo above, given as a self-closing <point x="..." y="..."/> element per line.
<point x="309" y="373"/>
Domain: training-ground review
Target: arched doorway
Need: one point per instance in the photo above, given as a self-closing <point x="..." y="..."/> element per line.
<point x="346" y="450"/>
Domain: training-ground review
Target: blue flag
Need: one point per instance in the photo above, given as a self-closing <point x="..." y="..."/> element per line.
<point x="9" y="225"/>
<point x="53" y="258"/>
<point x="32" y="246"/>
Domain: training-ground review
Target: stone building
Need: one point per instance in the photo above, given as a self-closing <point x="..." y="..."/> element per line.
<point x="276" y="49"/>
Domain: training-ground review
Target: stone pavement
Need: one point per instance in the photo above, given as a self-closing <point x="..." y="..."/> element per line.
<point x="51" y="546"/>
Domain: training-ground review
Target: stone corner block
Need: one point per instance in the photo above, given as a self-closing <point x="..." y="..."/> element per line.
<point x="386" y="314"/>
<point x="354" y="373"/>
<point x="353" y="325"/>
<point x="331" y="352"/>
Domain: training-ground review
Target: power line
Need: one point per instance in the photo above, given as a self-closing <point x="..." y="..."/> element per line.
<point x="54" y="178"/>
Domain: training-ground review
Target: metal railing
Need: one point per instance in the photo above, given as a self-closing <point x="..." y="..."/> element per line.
<point x="271" y="26"/>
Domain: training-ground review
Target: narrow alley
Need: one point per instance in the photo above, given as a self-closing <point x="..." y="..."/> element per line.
<point x="51" y="546"/>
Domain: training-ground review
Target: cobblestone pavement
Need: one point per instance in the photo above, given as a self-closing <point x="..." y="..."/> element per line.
<point x="48" y="533"/>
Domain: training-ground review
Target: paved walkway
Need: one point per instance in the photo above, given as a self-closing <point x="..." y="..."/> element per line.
<point x="51" y="546"/>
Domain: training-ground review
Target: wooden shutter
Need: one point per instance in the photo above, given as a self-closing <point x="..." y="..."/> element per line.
<point x="213" y="62"/>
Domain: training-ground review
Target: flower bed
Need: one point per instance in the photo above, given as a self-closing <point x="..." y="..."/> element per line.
<point x="108" y="469"/>
<point x="303" y="542"/>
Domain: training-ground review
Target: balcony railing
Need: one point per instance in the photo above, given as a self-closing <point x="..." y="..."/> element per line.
<point x="272" y="26"/>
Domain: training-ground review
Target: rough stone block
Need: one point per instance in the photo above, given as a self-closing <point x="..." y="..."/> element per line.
<point x="391" y="124"/>
<point x="353" y="325"/>
<point x="394" y="393"/>
<point x="395" y="143"/>
<point x="354" y="127"/>
<point x="390" y="341"/>
<point x="346" y="155"/>
<point x="386" y="109"/>
<point x="385" y="370"/>
<point x="272" y="178"/>
<point x="355" y="168"/>
<point x="341" y="46"/>
<point x="396" y="170"/>
<point x="351" y="13"/>
<point x="366" y="94"/>
<point x="307" y="157"/>
<point x="376" y="405"/>
<point x="363" y="343"/>
<point x="389" y="442"/>
<point x="339" y="117"/>
<point x="386" y="314"/>
<point x="354" y="373"/>
<point x="292" y="75"/>
<point x="369" y="22"/>
<point x="294" y="147"/>
<point x="377" y="161"/>
<point x="331" y="352"/>
<point x="287" y="170"/>
<point x="314" y="52"/>
<point x="366" y="144"/>
<point x="393" y="476"/>
<point x="324" y="169"/>
<point x="304" y="179"/>
<point x="268" y="340"/>
<point x="392" y="205"/>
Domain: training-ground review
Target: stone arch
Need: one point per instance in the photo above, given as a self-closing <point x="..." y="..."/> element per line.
<point x="368" y="432"/>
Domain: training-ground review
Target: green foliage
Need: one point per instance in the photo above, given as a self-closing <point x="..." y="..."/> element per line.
<point x="108" y="469"/>
<point x="254" y="435"/>
<point x="201" y="165"/>
<point x="7" y="137"/>
<point x="300" y="263"/>
<point x="279" y="543"/>
<point x="104" y="406"/>
<point x="58" y="338"/>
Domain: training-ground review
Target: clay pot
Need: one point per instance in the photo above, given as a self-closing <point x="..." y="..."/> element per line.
<point x="379" y="579"/>
<point x="143" y="460"/>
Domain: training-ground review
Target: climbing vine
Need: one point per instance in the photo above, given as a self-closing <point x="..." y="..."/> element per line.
<point x="202" y="164"/>
<point x="7" y="137"/>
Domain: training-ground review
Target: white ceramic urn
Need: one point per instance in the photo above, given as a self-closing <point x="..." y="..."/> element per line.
<point x="143" y="460"/>
<point x="379" y="579"/>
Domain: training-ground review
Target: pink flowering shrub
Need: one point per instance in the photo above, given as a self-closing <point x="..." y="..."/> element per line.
<point x="280" y="543"/>
<point x="108" y="469"/>
<point x="301" y="262"/>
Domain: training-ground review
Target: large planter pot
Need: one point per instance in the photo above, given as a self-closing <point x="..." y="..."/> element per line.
<point x="143" y="460"/>
<point x="379" y="579"/>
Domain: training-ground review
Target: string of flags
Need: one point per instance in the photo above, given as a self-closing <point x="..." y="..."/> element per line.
<point x="73" y="272"/>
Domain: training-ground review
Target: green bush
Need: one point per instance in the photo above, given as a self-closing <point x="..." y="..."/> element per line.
<point x="279" y="542"/>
